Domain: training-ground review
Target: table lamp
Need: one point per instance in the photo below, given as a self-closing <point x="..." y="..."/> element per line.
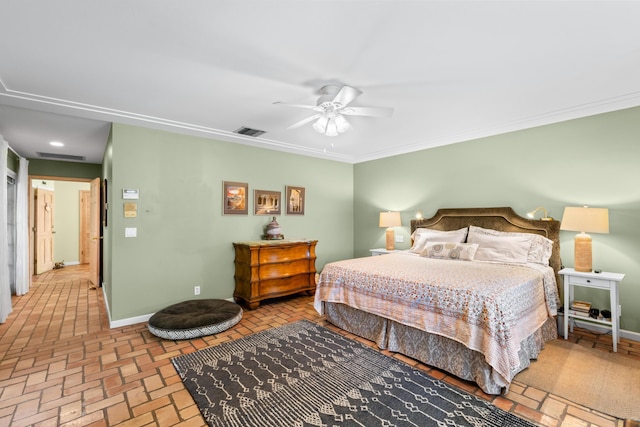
<point x="585" y="220"/>
<point x="390" y="220"/>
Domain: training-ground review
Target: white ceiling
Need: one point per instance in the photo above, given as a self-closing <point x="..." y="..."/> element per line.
<point x="452" y="70"/>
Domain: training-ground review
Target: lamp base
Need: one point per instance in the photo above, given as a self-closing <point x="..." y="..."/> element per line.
<point x="582" y="253"/>
<point x="390" y="238"/>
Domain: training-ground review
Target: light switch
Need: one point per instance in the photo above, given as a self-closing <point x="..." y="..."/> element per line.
<point x="130" y="232"/>
<point x="399" y="238"/>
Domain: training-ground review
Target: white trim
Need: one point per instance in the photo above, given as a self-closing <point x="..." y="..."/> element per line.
<point x="630" y="335"/>
<point x="130" y="320"/>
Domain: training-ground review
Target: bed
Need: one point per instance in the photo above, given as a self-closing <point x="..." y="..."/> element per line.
<point x="475" y="296"/>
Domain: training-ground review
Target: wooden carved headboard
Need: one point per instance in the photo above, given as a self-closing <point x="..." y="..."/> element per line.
<point x="501" y="219"/>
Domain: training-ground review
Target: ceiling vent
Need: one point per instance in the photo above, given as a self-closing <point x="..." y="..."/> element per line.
<point x="61" y="156"/>
<point x="249" y="132"/>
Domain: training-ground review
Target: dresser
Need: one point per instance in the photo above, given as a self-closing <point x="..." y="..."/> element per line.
<point x="273" y="268"/>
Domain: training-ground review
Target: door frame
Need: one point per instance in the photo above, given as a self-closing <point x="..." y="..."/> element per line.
<point x="31" y="215"/>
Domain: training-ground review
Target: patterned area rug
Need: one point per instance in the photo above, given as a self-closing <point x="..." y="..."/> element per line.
<point x="303" y="374"/>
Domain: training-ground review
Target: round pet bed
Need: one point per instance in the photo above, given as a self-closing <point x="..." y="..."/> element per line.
<point x="194" y="318"/>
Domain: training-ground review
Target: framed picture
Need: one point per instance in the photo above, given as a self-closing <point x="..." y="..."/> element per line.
<point x="295" y="200"/>
<point x="234" y="198"/>
<point x="267" y="202"/>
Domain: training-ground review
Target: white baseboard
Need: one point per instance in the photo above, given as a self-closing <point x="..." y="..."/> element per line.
<point x="630" y="335"/>
<point x="130" y="320"/>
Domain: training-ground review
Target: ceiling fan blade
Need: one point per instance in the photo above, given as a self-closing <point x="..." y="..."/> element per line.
<point x="308" y="107"/>
<point x="368" y="111"/>
<point x="346" y="95"/>
<point x="305" y="121"/>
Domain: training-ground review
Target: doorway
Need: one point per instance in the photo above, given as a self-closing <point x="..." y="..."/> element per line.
<point x="64" y="207"/>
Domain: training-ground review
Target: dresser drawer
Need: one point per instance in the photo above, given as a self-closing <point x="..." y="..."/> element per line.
<point x="284" y="269"/>
<point x="283" y="254"/>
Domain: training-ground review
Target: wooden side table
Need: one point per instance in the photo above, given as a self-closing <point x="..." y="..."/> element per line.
<point x="605" y="280"/>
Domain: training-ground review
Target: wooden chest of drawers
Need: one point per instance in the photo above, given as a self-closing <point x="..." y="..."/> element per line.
<point x="273" y="268"/>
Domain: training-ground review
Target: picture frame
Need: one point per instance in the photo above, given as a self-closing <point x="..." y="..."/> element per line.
<point x="234" y="198"/>
<point x="266" y="202"/>
<point x="295" y="200"/>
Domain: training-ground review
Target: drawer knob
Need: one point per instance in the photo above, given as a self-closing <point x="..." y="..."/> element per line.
<point x="588" y="280"/>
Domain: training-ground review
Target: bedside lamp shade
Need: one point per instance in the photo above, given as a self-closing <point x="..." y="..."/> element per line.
<point x="390" y="220"/>
<point x="585" y="220"/>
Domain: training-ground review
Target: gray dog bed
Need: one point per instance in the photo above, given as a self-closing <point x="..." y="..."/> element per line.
<point x="194" y="318"/>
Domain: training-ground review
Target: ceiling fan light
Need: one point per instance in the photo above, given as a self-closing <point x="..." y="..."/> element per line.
<point x="321" y="124"/>
<point x="342" y="124"/>
<point x="332" y="129"/>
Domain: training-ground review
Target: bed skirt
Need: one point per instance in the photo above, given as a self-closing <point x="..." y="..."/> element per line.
<point x="437" y="351"/>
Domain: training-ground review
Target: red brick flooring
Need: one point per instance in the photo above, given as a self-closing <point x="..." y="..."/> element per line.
<point x="61" y="365"/>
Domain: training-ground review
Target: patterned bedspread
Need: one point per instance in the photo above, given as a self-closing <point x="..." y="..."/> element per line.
<point x="488" y="307"/>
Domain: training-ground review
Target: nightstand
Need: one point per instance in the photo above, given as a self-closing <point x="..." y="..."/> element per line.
<point x="380" y="251"/>
<point x="605" y="280"/>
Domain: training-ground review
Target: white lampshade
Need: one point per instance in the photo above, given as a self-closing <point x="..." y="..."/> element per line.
<point x="585" y="220"/>
<point x="332" y="129"/>
<point x="390" y="219"/>
<point x="342" y="124"/>
<point x="321" y="124"/>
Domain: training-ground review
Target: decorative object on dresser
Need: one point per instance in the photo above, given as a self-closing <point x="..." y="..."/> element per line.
<point x="273" y="268"/>
<point x="585" y="220"/>
<point x="390" y="220"/>
<point x="234" y="198"/>
<point x="273" y="231"/>
<point x="295" y="200"/>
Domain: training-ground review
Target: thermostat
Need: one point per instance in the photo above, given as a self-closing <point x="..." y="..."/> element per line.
<point x="130" y="193"/>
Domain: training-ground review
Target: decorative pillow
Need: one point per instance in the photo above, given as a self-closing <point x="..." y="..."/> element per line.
<point x="446" y="250"/>
<point x="540" y="247"/>
<point x="423" y="235"/>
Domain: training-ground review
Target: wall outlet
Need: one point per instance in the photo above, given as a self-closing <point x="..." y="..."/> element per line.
<point x="399" y="238"/>
<point x="196" y="290"/>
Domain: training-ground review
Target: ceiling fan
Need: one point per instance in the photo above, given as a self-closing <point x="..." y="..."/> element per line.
<point x="332" y="106"/>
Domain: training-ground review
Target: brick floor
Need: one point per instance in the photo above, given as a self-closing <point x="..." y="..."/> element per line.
<point x="61" y="365"/>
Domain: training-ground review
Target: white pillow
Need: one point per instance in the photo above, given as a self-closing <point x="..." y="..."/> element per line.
<point x="540" y="248"/>
<point x="446" y="250"/>
<point x="423" y="235"/>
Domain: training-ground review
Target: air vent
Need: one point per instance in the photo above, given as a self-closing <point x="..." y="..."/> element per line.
<point x="61" y="156"/>
<point x="248" y="131"/>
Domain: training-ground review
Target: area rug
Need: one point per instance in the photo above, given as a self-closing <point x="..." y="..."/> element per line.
<point x="303" y="374"/>
<point x="606" y="382"/>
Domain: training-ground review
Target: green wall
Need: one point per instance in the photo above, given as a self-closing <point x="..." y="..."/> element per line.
<point x="590" y="161"/>
<point x="64" y="169"/>
<point x="183" y="239"/>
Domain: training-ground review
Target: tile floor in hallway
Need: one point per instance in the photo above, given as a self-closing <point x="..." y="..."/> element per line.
<point x="61" y="365"/>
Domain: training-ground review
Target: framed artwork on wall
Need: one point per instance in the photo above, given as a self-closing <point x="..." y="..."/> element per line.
<point x="234" y="198"/>
<point x="295" y="200"/>
<point x="267" y="202"/>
